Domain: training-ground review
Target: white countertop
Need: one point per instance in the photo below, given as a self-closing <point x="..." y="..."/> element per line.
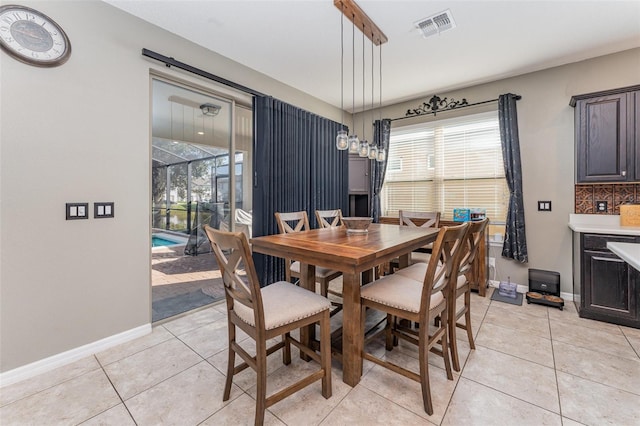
<point x="600" y="224"/>
<point x="629" y="252"/>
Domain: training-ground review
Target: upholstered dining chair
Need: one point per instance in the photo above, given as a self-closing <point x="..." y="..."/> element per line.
<point x="410" y="218"/>
<point x="264" y="314"/>
<point x="463" y="289"/>
<point x="404" y="298"/>
<point x="414" y="219"/>
<point x="329" y="218"/>
<point x="297" y="222"/>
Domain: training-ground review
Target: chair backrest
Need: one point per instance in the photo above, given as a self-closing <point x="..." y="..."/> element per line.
<point x="329" y="218"/>
<point x="475" y="233"/>
<point x="443" y="263"/>
<point x="408" y="218"/>
<point x="292" y="222"/>
<point x="234" y="256"/>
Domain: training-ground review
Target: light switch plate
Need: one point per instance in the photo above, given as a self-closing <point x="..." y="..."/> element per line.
<point x="103" y="210"/>
<point x="544" y="206"/>
<point x="77" y="211"/>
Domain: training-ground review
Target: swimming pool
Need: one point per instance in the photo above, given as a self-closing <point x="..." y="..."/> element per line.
<point x="166" y="240"/>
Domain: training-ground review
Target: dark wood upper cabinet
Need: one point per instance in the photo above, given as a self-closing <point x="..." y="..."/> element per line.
<point x="606" y="129"/>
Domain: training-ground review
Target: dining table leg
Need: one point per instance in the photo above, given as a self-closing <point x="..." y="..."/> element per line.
<point x="307" y="281"/>
<point x="352" y="339"/>
<point x="403" y="260"/>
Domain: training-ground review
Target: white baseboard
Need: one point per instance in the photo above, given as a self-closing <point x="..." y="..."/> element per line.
<point x="67" y="357"/>
<point x="568" y="297"/>
<point x="521" y="288"/>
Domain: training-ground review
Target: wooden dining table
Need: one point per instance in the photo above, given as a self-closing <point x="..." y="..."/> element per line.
<point x="355" y="255"/>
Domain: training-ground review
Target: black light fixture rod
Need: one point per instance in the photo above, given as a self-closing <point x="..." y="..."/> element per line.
<point x="171" y="62"/>
<point x="518" y="97"/>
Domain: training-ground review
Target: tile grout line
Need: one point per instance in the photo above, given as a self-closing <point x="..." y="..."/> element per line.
<point x="446" y="410"/>
<point x="555" y="367"/>
<point x="503" y="392"/>
<point x="629" y="342"/>
<point x="29" y="395"/>
<point x="166" y="378"/>
<point x="391" y="401"/>
<point x="117" y="393"/>
<point x="581" y="377"/>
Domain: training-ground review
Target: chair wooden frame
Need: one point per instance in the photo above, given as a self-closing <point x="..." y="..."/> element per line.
<point x="329" y="218"/>
<point x="408" y="218"/>
<point x="438" y="278"/>
<point x="431" y="219"/>
<point x="301" y="223"/>
<point x="463" y="288"/>
<point x="232" y="251"/>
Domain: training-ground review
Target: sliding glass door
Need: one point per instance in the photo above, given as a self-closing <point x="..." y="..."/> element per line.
<point x="201" y="175"/>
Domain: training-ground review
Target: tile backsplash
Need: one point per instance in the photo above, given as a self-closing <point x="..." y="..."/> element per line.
<point x="587" y="196"/>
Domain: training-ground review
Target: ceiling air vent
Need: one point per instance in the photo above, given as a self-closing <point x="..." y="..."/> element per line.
<point x="436" y="24"/>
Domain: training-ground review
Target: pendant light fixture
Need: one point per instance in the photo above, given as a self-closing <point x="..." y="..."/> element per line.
<point x="342" y="139"/>
<point x="353" y="12"/>
<point x="354" y="142"/>
<point x="363" y="151"/>
<point x="382" y="153"/>
<point x="373" y="149"/>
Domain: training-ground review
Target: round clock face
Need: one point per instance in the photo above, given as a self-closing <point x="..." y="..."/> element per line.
<point x="32" y="37"/>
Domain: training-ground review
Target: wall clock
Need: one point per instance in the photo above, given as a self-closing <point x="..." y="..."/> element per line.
<point x="32" y="37"/>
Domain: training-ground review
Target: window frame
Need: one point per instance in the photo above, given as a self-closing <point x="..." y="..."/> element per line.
<point x="485" y="128"/>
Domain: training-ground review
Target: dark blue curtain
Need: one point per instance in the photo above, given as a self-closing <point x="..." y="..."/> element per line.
<point x="296" y="167"/>
<point x="515" y="241"/>
<point x="381" y="135"/>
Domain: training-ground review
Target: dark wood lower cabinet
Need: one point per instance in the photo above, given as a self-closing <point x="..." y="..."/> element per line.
<point x="610" y="287"/>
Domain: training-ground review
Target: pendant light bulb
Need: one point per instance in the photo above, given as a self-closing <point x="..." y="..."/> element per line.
<point x="354" y="144"/>
<point x="373" y="152"/>
<point x="364" y="149"/>
<point x="342" y="140"/>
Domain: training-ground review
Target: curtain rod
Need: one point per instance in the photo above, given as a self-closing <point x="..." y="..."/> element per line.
<point x="171" y="62"/>
<point x="465" y="105"/>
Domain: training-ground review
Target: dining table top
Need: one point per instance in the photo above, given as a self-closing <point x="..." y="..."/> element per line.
<point x="348" y="252"/>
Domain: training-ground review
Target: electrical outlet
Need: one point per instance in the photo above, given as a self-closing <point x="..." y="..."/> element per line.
<point x="601" y="206"/>
<point x="492" y="262"/>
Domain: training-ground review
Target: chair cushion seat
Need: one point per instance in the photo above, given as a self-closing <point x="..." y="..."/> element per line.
<point x="462" y="280"/>
<point x="416" y="272"/>
<point x="399" y="292"/>
<point x="320" y="271"/>
<point x="284" y="303"/>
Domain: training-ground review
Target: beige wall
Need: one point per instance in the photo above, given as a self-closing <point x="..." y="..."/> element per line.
<point x="81" y="133"/>
<point x="546" y="132"/>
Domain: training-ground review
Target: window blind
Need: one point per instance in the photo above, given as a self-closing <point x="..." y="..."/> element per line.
<point x="446" y="164"/>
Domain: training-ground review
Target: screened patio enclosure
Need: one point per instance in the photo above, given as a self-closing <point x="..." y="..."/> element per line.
<point x="190" y="185"/>
<point x="201" y="162"/>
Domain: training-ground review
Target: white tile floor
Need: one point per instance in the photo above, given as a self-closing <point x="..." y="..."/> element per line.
<point x="533" y="366"/>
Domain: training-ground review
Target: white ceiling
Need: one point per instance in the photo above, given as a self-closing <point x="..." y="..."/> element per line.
<point x="298" y="41"/>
